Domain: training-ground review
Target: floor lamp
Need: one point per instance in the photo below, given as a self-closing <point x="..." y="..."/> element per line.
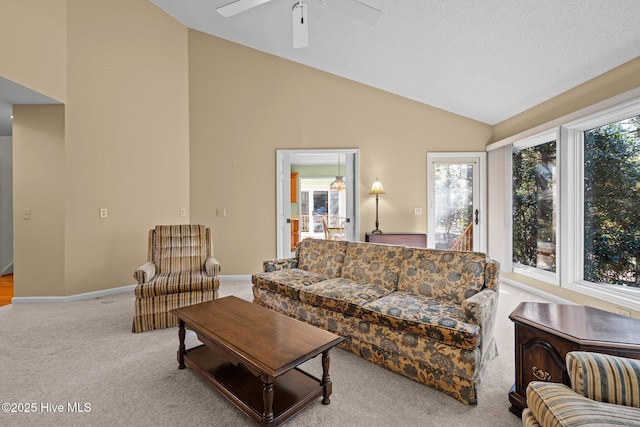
<point x="377" y="189"/>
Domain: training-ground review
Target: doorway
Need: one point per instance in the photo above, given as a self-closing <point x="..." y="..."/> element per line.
<point x="307" y="206"/>
<point x="456" y="194"/>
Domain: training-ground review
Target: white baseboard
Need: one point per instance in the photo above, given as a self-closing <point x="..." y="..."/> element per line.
<point x="535" y="291"/>
<point x="7" y="270"/>
<point x="69" y="298"/>
<point x="227" y="278"/>
<point x="103" y="293"/>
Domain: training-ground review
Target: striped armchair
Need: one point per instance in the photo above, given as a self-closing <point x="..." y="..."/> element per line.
<point x="180" y="271"/>
<point x="605" y="391"/>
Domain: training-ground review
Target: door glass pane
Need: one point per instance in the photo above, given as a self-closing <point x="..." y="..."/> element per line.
<point x="534" y="207"/>
<point x="304" y="211"/>
<point x="454" y="206"/>
<point x="612" y="203"/>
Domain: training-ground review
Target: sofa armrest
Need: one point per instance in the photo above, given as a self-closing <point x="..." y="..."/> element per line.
<point x="279" y="264"/>
<point x="212" y="267"/>
<point x="145" y="272"/>
<point x="481" y="309"/>
<point x="605" y="378"/>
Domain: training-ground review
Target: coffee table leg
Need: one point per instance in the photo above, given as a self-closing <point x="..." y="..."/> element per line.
<point x="181" y="348"/>
<point x="326" y="380"/>
<point x="267" y="398"/>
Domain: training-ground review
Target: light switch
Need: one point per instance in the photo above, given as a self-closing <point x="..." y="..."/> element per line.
<point x="26" y="213"/>
<point x="221" y="212"/>
<point x="417" y="211"/>
<point x="104" y="213"/>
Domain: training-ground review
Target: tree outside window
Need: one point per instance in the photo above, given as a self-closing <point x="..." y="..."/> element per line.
<point x="612" y="203"/>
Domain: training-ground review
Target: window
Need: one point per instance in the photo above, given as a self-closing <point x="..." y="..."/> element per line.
<point x="575" y="199"/>
<point x="612" y="203"/>
<point x="534" y="199"/>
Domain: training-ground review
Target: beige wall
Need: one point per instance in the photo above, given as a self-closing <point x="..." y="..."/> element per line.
<point x="38" y="180"/>
<point x="125" y="147"/>
<point x="246" y="104"/>
<point x="33" y="46"/>
<point x="127" y="136"/>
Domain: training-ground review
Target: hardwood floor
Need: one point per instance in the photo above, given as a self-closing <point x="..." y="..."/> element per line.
<point x="6" y="289"/>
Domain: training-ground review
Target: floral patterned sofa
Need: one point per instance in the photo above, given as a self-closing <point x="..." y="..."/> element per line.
<point x="423" y="313"/>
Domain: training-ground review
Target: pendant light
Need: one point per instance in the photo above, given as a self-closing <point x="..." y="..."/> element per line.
<point x="339" y="183"/>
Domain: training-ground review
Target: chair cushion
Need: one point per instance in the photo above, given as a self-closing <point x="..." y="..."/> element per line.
<point x="605" y="378"/>
<point x="439" y="320"/>
<point x="341" y="295"/>
<point x="180" y="248"/>
<point x="324" y="257"/>
<point x="173" y="283"/>
<point x="553" y="404"/>
<point x="288" y="281"/>
<point x="374" y="264"/>
<point x="449" y="275"/>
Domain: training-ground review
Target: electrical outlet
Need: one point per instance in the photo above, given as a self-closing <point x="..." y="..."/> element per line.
<point x="104" y="213"/>
<point x="623" y="312"/>
<point x="183" y="212"/>
<point x="417" y="211"/>
<point x="221" y="212"/>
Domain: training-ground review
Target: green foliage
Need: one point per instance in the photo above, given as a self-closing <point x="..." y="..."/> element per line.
<point x="454" y="201"/>
<point x="534" y="228"/>
<point x="612" y="203"/>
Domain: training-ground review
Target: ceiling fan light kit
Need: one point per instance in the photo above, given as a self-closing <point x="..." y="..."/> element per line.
<point x="354" y="8"/>
<point x="300" y="25"/>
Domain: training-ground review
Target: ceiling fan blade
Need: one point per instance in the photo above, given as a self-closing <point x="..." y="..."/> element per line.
<point x="300" y="25"/>
<point x="358" y="10"/>
<point x="239" y="6"/>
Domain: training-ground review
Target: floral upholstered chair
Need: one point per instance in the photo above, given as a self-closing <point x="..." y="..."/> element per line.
<point x="180" y="271"/>
<point x="605" y="391"/>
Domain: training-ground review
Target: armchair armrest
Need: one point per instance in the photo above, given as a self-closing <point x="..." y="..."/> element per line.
<point x="279" y="264"/>
<point x="481" y="309"/>
<point x="212" y="267"/>
<point x="145" y="272"/>
<point x="605" y="378"/>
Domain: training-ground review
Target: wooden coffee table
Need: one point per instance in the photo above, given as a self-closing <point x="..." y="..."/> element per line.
<point x="251" y="355"/>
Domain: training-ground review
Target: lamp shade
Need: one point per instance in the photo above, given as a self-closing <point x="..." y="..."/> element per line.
<point x="376" y="188"/>
<point x="339" y="184"/>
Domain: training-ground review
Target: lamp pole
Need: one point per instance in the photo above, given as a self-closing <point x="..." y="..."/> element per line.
<point x="377" y="189"/>
<point x="377" y="230"/>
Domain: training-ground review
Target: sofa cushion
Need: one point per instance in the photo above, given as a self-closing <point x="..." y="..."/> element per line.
<point x="287" y="282"/>
<point x="554" y="404"/>
<point x="378" y="265"/>
<point x="441" y="321"/>
<point x="448" y="275"/>
<point x="324" y="257"/>
<point x="341" y="295"/>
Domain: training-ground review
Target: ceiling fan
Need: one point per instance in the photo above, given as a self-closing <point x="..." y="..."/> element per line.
<point x="300" y="23"/>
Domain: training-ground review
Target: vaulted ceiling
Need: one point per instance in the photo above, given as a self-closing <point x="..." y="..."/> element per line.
<point x="483" y="59"/>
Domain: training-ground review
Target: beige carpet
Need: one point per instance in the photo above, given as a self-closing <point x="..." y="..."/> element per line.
<point x="78" y="353"/>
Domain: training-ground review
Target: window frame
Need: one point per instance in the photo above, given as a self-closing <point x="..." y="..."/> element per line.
<point x="572" y="206"/>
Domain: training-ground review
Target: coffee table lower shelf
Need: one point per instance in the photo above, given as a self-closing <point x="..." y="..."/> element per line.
<point x="293" y="390"/>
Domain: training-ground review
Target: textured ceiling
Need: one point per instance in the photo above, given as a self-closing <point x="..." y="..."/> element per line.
<point x="484" y="59"/>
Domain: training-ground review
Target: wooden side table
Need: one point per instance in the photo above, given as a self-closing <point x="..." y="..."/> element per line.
<point x="545" y="333"/>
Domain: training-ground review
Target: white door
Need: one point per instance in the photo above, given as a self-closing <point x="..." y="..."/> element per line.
<point x="456" y="201"/>
<point x="349" y="169"/>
